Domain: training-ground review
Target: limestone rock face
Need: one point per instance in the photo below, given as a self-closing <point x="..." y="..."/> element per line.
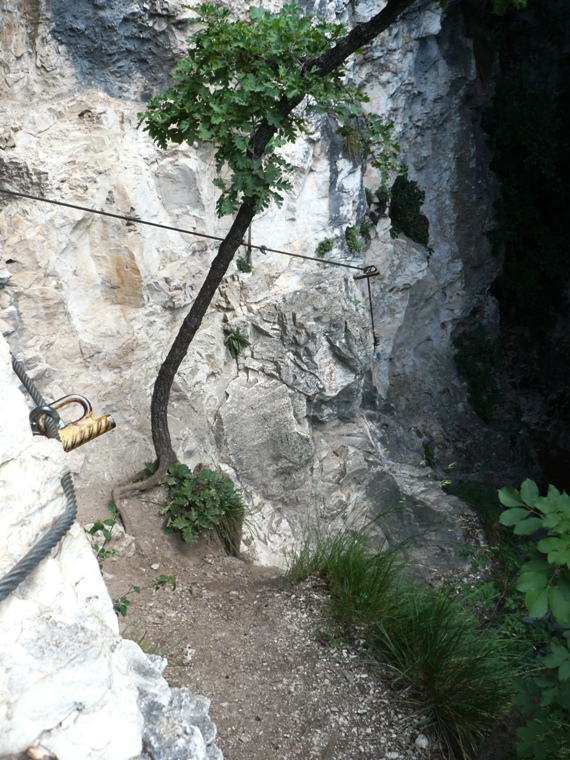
<point x="316" y="420"/>
<point x="69" y="686"/>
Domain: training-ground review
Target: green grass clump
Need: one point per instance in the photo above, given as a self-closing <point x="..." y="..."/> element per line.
<point x="244" y="265"/>
<point x="361" y="580"/>
<point x="354" y="240"/>
<point x="457" y="674"/>
<point x="454" y="672"/>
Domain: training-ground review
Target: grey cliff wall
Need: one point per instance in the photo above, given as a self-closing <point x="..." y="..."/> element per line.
<point x="315" y="421"/>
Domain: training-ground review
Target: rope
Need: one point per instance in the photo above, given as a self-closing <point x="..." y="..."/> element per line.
<point x="42" y="548"/>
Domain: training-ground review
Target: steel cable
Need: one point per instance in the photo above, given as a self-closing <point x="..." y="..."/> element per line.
<point x="42" y="548"/>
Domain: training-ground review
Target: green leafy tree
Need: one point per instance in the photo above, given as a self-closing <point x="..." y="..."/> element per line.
<point x="248" y="87"/>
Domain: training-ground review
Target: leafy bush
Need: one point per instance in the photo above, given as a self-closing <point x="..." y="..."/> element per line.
<point x="354" y="239"/>
<point x="243" y="265"/>
<point x="324" y="247"/>
<point x="405" y="210"/>
<point x="201" y="501"/>
<point x="545" y="580"/>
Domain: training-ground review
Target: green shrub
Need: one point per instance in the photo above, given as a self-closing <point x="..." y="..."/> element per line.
<point x="405" y="210"/>
<point x="365" y="229"/>
<point x="243" y="265"/>
<point x="324" y="247"/>
<point x="236" y="341"/>
<point x="201" y="501"/>
<point x="354" y="240"/>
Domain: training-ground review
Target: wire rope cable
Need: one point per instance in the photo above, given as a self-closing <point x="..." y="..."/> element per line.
<point x="12" y="579"/>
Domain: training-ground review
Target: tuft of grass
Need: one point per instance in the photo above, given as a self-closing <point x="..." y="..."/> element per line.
<point x="244" y="265"/>
<point x="361" y="580"/>
<point x="458" y="674"/>
<point x="354" y="240"/>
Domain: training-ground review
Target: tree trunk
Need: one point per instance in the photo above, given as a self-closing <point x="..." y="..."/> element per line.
<point x="325" y="64"/>
<point x="159" y="406"/>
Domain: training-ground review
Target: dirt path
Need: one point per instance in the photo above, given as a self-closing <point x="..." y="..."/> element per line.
<point x="261" y="648"/>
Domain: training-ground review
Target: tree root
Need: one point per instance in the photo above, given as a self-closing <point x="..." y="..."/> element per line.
<point x="139" y="483"/>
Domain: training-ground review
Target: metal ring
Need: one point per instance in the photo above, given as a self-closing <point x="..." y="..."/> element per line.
<point x="42" y="411"/>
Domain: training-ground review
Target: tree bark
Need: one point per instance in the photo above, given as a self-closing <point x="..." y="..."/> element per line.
<point x="325" y="64"/>
<point x="161" y="439"/>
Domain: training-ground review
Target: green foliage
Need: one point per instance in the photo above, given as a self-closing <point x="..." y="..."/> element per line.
<point x="202" y="501"/>
<point x="324" y="247"/>
<point x="104" y="527"/>
<point x="244" y="265"/>
<point x="365" y="229"/>
<point x="478" y="359"/>
<point x="121" y="604"/>
<point x="545" y="581"/>
<point x="546" y="577"/>
<point x="162" y="581"/>
<point x="235" y="342"/>
<point x="455" y="671"/>
<point x="235" y="77"/>
<point x="405" y="210"/>
<point x="354" y="240"/>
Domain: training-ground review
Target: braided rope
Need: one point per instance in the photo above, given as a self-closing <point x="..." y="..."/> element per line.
<point x="42" y="548"/>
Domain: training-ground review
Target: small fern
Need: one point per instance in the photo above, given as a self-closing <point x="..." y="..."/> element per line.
<point x="235" y="342"/>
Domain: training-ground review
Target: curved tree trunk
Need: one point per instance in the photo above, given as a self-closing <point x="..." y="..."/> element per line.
<point x="159" y="406"/>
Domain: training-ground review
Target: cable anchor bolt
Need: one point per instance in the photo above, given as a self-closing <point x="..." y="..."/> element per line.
<point x="370" y="271"/>
<point x="76" y="433"/>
